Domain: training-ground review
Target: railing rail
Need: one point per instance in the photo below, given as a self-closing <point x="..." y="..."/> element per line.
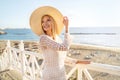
<point x="114" y="70"/>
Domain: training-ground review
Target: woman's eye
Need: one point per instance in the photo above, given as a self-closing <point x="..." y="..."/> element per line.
<point x="48" y="20"/>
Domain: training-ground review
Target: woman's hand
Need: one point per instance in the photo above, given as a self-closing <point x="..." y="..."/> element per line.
<point x="83" y="62"/>
<point x="66" y="22"/>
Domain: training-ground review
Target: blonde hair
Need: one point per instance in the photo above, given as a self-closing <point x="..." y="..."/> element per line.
<point x="53" y="26"/>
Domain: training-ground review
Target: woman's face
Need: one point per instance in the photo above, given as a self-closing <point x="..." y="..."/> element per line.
<point x="46" y="24"/>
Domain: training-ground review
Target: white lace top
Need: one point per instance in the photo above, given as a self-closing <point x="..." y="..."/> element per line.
<point x="54" y="53"/>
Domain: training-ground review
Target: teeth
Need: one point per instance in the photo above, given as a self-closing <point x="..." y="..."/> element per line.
<point x="45" y="26"/>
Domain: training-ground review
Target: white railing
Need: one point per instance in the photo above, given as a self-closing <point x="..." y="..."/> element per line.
<point x="83" y="68"/>
<point x="26" y="63"/>
<point x="23" y="61"/>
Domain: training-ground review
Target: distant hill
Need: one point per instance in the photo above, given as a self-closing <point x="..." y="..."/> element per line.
<point x="2" y="32"/>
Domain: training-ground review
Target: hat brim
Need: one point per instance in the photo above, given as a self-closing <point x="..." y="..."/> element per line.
<point x="35" y="19"/>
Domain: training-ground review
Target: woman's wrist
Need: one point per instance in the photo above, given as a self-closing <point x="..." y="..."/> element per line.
<point x="66" y="30"/>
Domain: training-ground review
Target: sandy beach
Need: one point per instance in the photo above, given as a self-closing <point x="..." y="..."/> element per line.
<point x="98" y="56"/>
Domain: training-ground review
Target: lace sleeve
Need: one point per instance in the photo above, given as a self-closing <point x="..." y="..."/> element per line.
<point x="47" y="42"/>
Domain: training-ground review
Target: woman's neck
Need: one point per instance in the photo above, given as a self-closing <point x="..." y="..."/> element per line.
<point x="50" y="35"/>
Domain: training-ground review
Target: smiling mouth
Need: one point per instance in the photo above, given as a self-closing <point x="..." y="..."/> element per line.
<point x="46" y="26"/>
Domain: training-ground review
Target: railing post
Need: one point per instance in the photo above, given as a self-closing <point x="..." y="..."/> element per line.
<point x="8" y="43"/>
<point x="23" y="67"/>
<point x="9" y="53"/>
<point x="33" y="67"/>
<point x="79" y="73"/>
<point x="21" y="46"/>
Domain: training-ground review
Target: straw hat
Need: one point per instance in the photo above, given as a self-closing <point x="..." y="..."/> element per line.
<point x="35" y="19"/>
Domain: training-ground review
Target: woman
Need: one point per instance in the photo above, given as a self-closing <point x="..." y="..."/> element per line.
<point x="53" y="51"/>
<point x="48" y="22"/>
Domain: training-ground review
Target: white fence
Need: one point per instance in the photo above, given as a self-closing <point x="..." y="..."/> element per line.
<point x="26" y="63"/>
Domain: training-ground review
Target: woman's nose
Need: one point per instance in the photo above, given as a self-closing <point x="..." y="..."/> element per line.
<point x="45" y="24"/>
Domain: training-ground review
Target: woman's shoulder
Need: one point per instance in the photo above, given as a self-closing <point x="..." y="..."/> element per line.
<point x="44" y="37"/>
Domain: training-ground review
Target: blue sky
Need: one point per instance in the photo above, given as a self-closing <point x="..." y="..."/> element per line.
<point x="81" y="13"/>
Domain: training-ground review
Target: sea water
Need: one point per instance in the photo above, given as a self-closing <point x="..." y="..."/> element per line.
<point x="108" y="36"/>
